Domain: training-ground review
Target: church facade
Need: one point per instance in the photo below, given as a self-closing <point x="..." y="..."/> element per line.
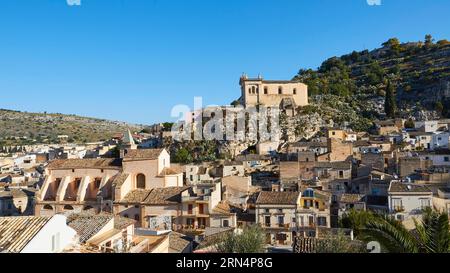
<point x="283" y="94"/>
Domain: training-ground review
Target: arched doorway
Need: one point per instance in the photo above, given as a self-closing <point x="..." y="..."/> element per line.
<point x="140" y="181"/>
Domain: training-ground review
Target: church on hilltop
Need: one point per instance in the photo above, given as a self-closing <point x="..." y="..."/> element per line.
<point x="283" y="94"/>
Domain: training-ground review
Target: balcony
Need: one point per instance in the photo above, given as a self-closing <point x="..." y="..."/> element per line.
<point x="191" y="228"/>
<point x="203" y="198"/>
<point x="398" y="209"/>
<point x="278" y="226"/>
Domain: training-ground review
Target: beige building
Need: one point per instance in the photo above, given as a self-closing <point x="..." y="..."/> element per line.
<point x="284" y="94"/>
<point x="75" y="185"/>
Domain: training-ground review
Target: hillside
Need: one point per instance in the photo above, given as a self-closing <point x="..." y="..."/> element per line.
<point x="420" y="72"/>
<point x="21" y="128"/>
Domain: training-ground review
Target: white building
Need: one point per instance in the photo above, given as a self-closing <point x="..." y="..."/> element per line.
<point x="437" y="159"/>
<point x="430" y="126"/>
<point x="38" y="234"/>
<point x="406" y="199"/>
<point x="439" y="141"/>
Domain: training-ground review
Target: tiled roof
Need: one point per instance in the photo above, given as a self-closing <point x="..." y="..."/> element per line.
<point x="169" y="171"/>
<point x="122" y="222"/>
<point x="408" y="187"/>
<point x="142" y="154"/>
<point x="157" y="196"/>
<point x="87" y="225"/>
<point x="178" y="242"/>
<point x="119" y="179"/>
<point x="277" y="198"/>
<point x="17" y="232"/>
<point x="223" y="208"/>
<point x="12" y="193"/>
<point x="334" y="165"/>
<point x="136" y="196"/>
<point x="163" y="196"/>
<point x="101" y="163"/>
<point x="351" y="198"/>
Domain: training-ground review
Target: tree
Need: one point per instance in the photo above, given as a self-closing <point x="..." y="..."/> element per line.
<point x="338" y="244"/>
<point x="393" y="44"/>
<point x="439" y="107"/>
<point x="251" y="240"/>
<point x="390" y="104"/>
<point x="409" y="124"/>
<point x="183" y="156"/>
<point x="428" y="41"/>
<point x="431" y="234"/>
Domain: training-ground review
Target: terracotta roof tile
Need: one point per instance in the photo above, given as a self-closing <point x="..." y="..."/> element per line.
<point x="17" y="232"/>
<point x="275" y="198"/>
<point x="102" y="163"/>
<point x="142" y="154"/>
<point x="87" y="225"/>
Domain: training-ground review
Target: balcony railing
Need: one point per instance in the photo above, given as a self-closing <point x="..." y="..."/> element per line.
<point x="191" y="227"/>
<point x="195" y="198"/>
<point x="278" y="225"/>
<point x="399" y="208"/>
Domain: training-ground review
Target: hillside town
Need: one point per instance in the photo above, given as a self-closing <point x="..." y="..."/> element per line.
<point x="131" y="194"/>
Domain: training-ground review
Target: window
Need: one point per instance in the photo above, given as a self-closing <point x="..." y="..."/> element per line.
<point x="68" y="207"/>
<point x="226" y="223"/>
<point x="136" y="217"/>
<point x="302" y="222"/>
<point x="55" y="242"/>
<point x="446" y="159"/>
<point x="341" y="174"/>
<point x="295" y="91"/>
<point x="190" y="209"/>
<point x="191" y="177"/>
<point x="281" y="221"/>
<point x="322" y="221"/>
<point x="48" y="207"/>
<point x="280" y="211"/>
<point x="266" y="90"/>
<point x="267" y="221"/>
<point x="424" y="203"/>
<point x="267" y="211"/>
<point x="280" y="90"/>
<point x="98" y="181"/>
<point x="397" y="204"/>
<point x="140" y="181"/>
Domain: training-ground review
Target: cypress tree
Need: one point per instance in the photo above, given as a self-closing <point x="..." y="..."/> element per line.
<point x="390" y="105"/>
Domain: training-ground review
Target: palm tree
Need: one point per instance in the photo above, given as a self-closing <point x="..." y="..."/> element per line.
<point x="431" y="234"/>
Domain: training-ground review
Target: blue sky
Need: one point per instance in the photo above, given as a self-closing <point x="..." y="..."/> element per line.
<point x="133" y="60"/>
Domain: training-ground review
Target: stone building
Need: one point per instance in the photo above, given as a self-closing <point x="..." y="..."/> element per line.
<point x="284" y="94"/>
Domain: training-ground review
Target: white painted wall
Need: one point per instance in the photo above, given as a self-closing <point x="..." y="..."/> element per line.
<point x="46" y="241"/>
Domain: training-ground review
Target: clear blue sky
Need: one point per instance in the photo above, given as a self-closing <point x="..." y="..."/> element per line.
<point x="133" y="60"/>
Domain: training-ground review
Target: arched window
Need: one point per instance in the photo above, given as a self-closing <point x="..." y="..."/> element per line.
<point x="48" y="207"/>
<point x="140" y="181"/>
<point x="68" y="207"/>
